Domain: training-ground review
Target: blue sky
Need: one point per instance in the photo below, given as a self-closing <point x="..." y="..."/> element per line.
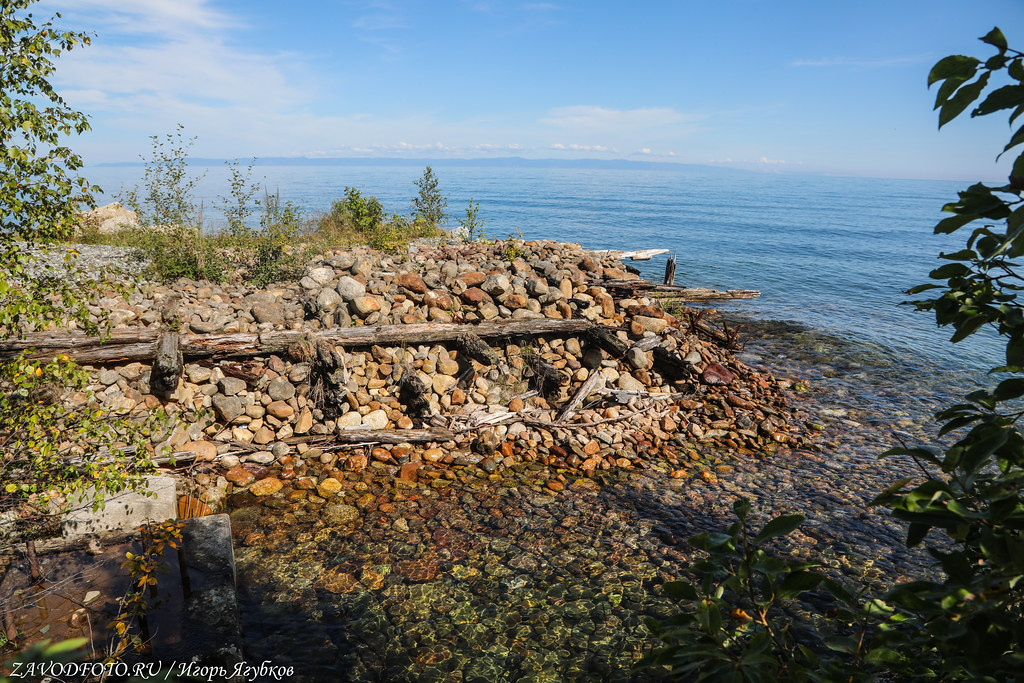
<point x="822" y="86"/>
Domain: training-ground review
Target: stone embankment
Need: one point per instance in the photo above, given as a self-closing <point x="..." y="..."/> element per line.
<point x="637" y="387"/>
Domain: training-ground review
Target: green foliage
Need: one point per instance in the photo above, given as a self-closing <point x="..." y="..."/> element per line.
<point x="739" y="625"/>
<point x="239" y="205"/>
<point x="968" y="625"/>
<point x="47" y="451"/>
<point x="43" y="653"/>
<point x="429" y="205"/>
<point x="170" y="228"/>
<point x="472" y="223"/>
<point x="514" y="247"/>
<point x="274" y="258"/>
<point x="142" y="568"/>
<point x="365" y="217"/>
<point x="973" y="620"/>
<point x="165" y="198"/>
<point x="40" y="195"/>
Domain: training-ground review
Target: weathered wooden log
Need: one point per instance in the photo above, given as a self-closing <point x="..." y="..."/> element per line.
<point x="593" y="383"/>
<point x="671" y="364"/>
<point x="606" y="339"/>
<point x="702" y="293"/>
<point x="670" y="271"/>
<point x="412" y="392"/>
<point x="676" y="292"/>
<point x="167" y="366"/>
<point x="546" y="376"/>
<point x="476" y="348"/>
<point x="133" y="345"/>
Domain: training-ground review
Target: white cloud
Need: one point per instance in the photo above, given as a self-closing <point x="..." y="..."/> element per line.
<point x="594" y="118"/>
<point x="581" y="148"/>
<point x="176" y="18"/>
<point x="766" y="160"/>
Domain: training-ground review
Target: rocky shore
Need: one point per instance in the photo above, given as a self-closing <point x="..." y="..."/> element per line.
<point x="480" y="508"/>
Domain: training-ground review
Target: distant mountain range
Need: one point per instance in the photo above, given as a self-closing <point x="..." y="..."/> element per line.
<point x="518" y="162"/>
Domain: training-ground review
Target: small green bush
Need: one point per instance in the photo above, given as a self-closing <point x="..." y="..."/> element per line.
<point x="274" y="256"/>
<point x="428" y="207"/>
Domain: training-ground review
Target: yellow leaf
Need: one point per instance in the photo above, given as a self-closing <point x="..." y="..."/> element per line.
<point x="740" y="616"/>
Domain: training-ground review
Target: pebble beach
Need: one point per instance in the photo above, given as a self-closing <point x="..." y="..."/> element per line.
<point x="521" y="543"/>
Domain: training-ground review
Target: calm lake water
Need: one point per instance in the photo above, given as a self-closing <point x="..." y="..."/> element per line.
<point x="833" y="254"/>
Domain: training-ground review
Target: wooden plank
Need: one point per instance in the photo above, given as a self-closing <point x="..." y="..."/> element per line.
<point x="633" y="255"/>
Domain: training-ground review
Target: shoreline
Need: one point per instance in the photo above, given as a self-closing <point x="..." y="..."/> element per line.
<point x="349" y="493"/>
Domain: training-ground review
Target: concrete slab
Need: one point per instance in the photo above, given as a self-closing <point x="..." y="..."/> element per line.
<point x="207" y="629"/>
<point x="123" y="511"/>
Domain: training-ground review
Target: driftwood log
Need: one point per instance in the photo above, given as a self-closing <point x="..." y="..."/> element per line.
<point x="167" y="365"/>
<point x="676" y="292"/>
<point x="352" y="436"/>
<point x="138" y="345"/>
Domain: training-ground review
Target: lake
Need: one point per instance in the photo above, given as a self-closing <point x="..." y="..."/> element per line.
<point x="833" y="254"/>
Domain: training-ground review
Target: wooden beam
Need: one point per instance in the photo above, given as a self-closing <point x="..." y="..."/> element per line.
<point x="139" y="344"/>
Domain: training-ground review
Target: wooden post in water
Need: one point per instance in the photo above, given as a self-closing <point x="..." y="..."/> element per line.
<point x="670" y="270"/>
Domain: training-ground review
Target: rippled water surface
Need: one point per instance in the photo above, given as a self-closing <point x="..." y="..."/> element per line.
<point x="493" y="578"/>
<point x="836" y="254"/>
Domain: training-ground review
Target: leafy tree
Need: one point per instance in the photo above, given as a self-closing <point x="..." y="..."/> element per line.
<point x="47" y="451"/>
<point x="429" y="205"/>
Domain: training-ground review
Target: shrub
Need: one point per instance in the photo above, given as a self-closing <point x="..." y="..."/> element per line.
<point x="359" y="218"/>
<point x="170" y="226"/>
<point x="274" y="257"/>
<point x="472" y="223"/>
<point x="428" y="207"/>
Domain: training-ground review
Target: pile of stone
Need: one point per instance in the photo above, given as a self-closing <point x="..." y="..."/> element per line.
<point x="633" y="387"/>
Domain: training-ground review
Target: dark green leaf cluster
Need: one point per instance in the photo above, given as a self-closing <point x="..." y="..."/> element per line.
<point x="738" y="624"/>
<point x="969" y="624"/>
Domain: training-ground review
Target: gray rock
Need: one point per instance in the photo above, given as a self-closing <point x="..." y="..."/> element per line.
<point x="267" y="313"/>
<point x="350" y="288"/>
<point x="637" y="358"/>
<point x="375" y="419"/>
<point x="200" y="326"/>
<point x="496" y="285"/>
<point x="536" y="286"/>
<point x="322" y="275"/>
<point x="227" y="408"/>
<point x="280" y="389"/>
<point x="197" y="374"/>
<point x="261" y="297"/>
<point x="328" y="299"/>
<point x="229" y="386"/>
<point x="629" y="383"/>
<point x="342" y="261"/>
<point x="108" y="377"/>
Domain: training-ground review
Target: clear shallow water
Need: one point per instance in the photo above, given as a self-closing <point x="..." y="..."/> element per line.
<point x="835" y="254"/>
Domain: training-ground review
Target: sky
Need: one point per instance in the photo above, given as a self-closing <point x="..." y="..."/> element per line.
<point x="816" y="86"/>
